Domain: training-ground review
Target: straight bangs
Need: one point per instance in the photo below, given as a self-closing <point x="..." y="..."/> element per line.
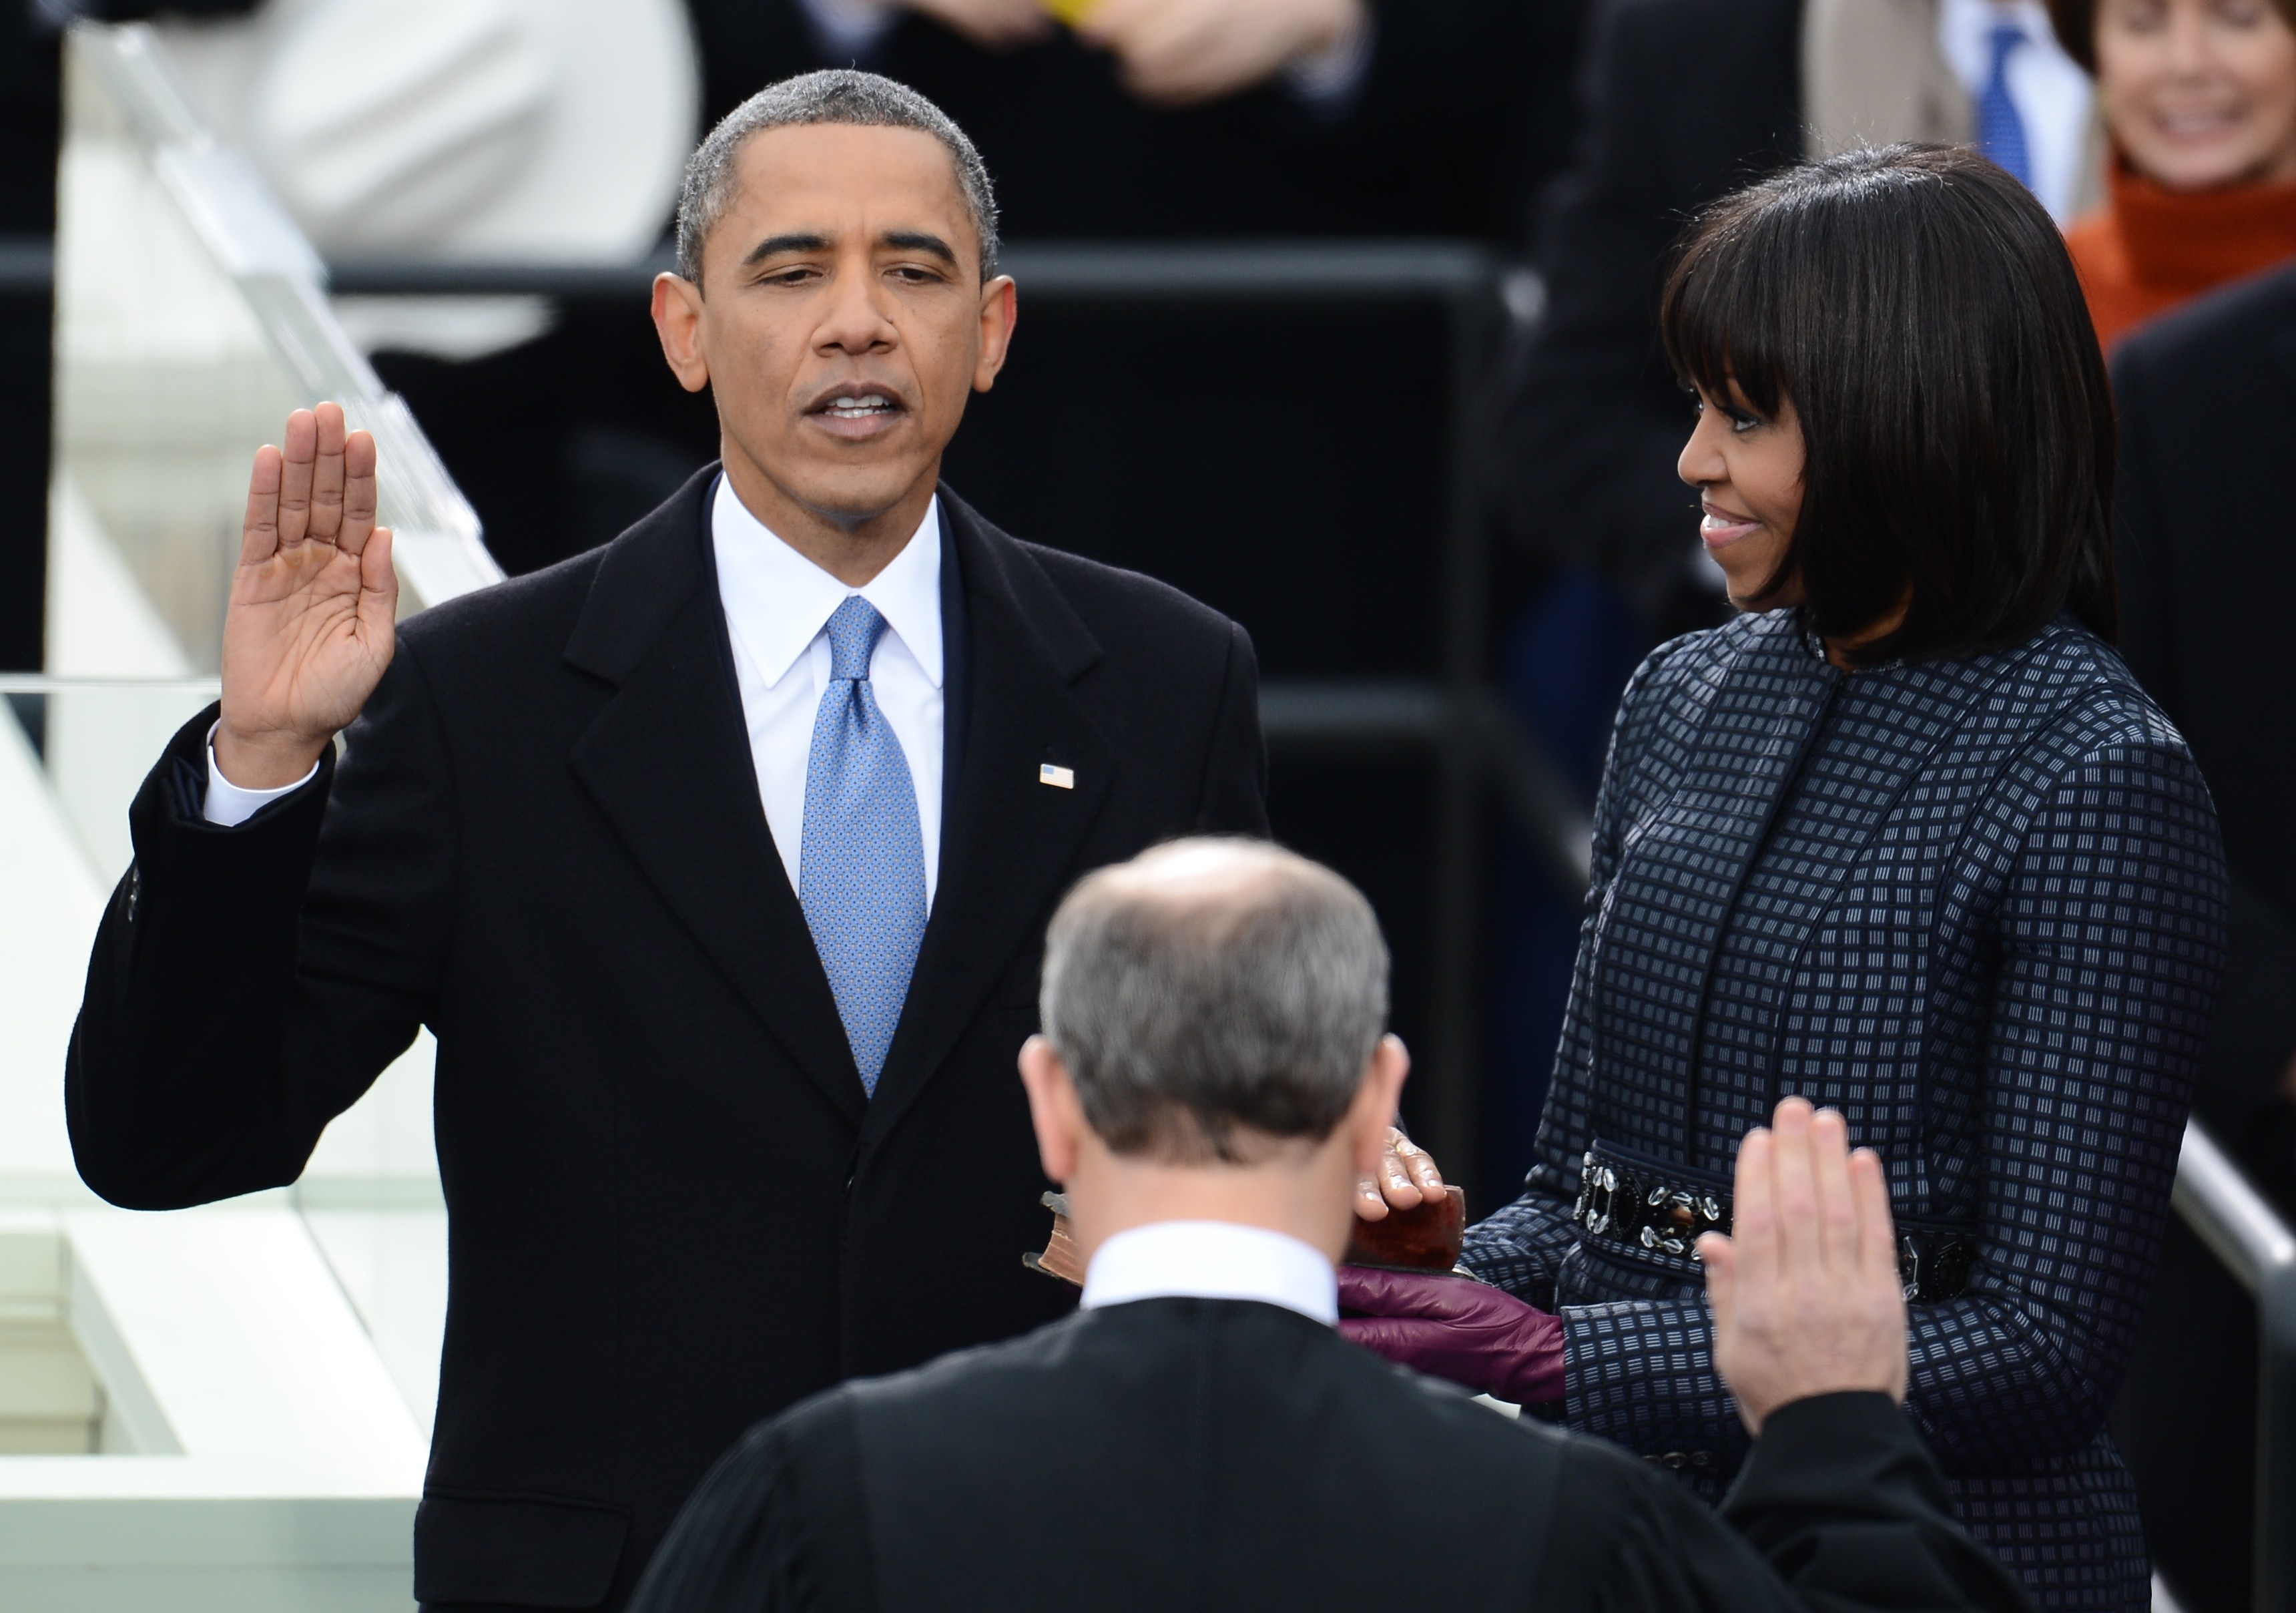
<point x="1919" y="310"/>
<point x="1721" y="319"/>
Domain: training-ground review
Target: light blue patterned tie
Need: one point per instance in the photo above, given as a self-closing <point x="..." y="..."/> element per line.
<point x="861" y="868"/>
<point x="2000" y="130"/>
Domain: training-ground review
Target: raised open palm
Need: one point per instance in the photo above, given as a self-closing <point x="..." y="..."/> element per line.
<point x="307" y="633"/>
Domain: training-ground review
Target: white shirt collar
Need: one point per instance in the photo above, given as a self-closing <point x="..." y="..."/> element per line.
<point x="777" y="601"/>
<point x="1213" y="1260"/>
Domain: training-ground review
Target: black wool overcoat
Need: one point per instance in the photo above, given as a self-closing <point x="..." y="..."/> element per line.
<point x="672" y="1209"/>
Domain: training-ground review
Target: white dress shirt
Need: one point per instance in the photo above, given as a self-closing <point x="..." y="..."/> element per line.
<point x="777" y="609"/>
<point x="227" y="806"/>
<point x="1213" y="1260"/>
<point x="2052" y="95"/>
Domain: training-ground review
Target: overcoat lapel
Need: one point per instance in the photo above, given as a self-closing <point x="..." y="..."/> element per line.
<point x="668" y="762"/>
<point x="1009" y="840"/>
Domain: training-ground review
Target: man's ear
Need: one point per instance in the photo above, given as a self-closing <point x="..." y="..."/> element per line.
<point x="678" y="321"/>
<point x="1054" y="1108"/>
<point x="1377" y="1101"/>
<point x="1000" y="310"/>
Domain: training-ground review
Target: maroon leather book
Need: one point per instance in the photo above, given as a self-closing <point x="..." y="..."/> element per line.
<point x="1423" y="1240"/>
<point x="1060" y="1258"/>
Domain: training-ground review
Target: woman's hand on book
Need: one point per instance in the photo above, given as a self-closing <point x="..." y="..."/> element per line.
<point x="1407" y="1178"/>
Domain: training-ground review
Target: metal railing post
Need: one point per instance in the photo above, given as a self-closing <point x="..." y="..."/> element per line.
<point x="2276" y="1442"/>
<point x="1455" y="1106"/>
<point x="2241" y="1231"/>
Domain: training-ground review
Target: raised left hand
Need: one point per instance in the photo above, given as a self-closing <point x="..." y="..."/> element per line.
<point x="1181" y="52"/>
<point x="1407" y="1179"/>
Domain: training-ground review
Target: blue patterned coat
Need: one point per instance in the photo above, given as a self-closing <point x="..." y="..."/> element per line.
<point x="1978" y="905"/>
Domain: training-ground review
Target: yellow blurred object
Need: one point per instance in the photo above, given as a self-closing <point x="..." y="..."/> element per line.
<point x="1070" y="12"/>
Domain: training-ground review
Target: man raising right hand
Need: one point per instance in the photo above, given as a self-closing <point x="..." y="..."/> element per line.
<point x="717" y="859"/>
<point x="309" y="631"/>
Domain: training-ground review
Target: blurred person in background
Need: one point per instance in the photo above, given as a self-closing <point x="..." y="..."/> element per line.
<point x="2199" y="96"/>
<point x="1207" y="119"/>
<point x="1906" y="838"/>
<point x="1680" y="101"/>
<point x="2207" y="400"/>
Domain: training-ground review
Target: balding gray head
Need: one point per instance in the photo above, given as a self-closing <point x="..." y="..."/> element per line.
<point x="1210" y="992"/>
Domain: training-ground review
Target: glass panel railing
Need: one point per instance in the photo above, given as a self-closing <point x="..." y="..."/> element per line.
<point x="191" y="317"/>
<point x="72" y="757"/>
<point x="274" y="1359"/>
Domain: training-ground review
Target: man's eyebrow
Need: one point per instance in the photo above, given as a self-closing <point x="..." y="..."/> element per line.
<point x="920" y="240"/>
<point x="772" y="245"/>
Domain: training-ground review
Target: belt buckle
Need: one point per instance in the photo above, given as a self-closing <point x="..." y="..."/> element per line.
<point x="1673" y="1222"/>
<point x="1598" y="1189"/>
<point x="1933" y="1265"/>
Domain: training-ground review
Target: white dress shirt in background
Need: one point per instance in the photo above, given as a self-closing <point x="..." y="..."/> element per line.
<point x="1213" y="1260"/>
<point x="778" y="608"/>
<point x="2052" y="95"/>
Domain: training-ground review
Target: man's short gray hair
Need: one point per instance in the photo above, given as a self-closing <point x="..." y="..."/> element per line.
<point x="837" y="95"/>
<point x="1210" y="988"/>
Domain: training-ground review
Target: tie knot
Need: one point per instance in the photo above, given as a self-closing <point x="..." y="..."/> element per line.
<point x="2005" y="37"/>
<point x="854" y="628"/>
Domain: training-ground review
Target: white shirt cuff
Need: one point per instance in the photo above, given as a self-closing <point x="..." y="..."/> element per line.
<point x="1327" y="81"/>
<point x="850" y="29"/>
<point x="227" y="806"/>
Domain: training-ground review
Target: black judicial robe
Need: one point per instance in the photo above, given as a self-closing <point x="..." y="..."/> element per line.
<point x="1213" y="1454"/>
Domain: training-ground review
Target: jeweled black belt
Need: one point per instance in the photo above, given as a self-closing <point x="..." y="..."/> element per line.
<point x="1665" y="1208"/>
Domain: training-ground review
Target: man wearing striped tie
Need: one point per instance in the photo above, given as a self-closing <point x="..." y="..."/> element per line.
<point x="719" y="860"/>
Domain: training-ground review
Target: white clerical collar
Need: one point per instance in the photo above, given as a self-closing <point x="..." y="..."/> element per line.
<point x="777" y="601"/>
<point x="1213" y="1260"/>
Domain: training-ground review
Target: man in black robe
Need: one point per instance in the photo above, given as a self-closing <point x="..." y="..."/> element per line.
<point x="1211" y="1079"/>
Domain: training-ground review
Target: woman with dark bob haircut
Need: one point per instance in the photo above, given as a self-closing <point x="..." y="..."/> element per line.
<point x="1904" y="838"/>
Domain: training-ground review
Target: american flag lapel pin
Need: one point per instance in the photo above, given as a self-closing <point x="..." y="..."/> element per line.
<point x="1059" y="778"/>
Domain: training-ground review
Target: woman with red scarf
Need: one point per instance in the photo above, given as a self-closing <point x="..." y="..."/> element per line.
<point x="2199" y="98"/>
